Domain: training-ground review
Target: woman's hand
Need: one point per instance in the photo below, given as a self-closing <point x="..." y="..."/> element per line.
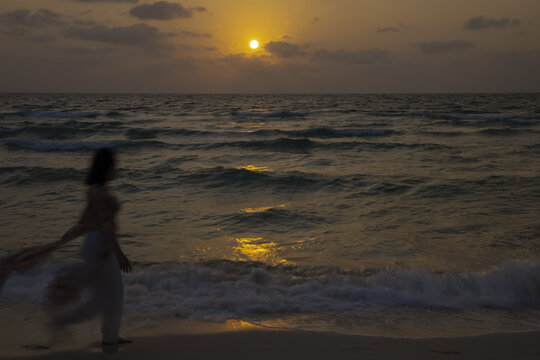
<point x="123" y="262"/>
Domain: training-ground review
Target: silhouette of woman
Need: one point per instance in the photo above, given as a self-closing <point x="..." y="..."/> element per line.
<point x="103" y="260"/>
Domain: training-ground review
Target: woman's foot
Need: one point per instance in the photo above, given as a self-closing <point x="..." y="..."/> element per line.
<point x="118" y="342"/>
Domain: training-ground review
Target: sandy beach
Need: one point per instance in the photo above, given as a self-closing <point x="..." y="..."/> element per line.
<point x="190" y="339"/>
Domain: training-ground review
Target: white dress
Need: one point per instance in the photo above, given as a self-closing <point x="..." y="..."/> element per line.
<point x="105" y="289"/>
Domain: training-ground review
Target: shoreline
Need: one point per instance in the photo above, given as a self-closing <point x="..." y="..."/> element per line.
<point x="234" y="339"/>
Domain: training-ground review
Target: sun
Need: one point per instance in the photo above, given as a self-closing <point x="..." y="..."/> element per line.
<point x="254" y="44"/>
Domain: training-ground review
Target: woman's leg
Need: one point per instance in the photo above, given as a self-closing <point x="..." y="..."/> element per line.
<point x="112" y="298"/>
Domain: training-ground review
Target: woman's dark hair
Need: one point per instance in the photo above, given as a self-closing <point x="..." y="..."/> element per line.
<point x="102" y="163"/>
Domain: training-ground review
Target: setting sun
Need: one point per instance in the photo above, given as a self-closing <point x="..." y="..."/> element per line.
<point x="254" y="44"/>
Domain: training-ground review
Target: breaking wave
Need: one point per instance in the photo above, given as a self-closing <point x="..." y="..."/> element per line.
<point x="221" y="289"/>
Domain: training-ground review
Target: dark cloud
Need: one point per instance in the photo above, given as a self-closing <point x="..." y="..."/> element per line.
<point x="135" y="35"/>
<point x="481" y="22"/>
<point x="87" y="51"/>
<point x="22" y="34"/>
<point x="284" y="49"/>
<point x="436" y="47"/>
<point x="245" y="62"/>
<point x="84" y="22"/>
<point x="39" y="19"/>
<point x="111" y="1"/>
<point x="210" y="48"/>
<point x="369" y="56"/>
<point x="41" y="38"/>
<point x="234" y="58"/>
<point x="163" y="10"/>
<point x="195" y="35"/>
<point x="16" y="33"/>
<point x="392" y="28"/>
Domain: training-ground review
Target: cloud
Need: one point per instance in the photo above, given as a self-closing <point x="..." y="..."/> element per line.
<point x="210" y="48"/>
<point x="284" y="49"/>
<point x="84" y="22"/>
<point x="87" y="51"/>
<point x="481" y="22"/>
<point x="392" y="29"/>
<point x="436" y="47"/>
<point x="41" y="38"/>
<point x="111" y="1"/>
<point x="135" y="35"/>
<point x="22" y="34"/>
<point x="163" y="10"/>
<point x="39" y="19"/>
<point x="195" y="35"/>
<point x="368" y="56"/>
<point x="316" y="20"/>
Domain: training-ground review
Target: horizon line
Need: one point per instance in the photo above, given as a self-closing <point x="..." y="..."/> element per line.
<point x="262" y="93"/>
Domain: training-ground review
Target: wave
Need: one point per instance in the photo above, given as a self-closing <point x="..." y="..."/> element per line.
<point x="222" y="177"/>
<point x="144" y="133"/>
<point x="493" y="185"/>
<point x="304" y="145"/>
<point x="275" y="114"/>
<point x="277" y="145"/>
<point x="462" y="118"/>
<point x="319" y="132"/>
<point x="488" y="131"/>
<point x="444" y="133"/>
<point x="383" y="146"/>
<point x="401" y="114"/>
<point x="325" y="132"/>
<point x="506" y="132"/>
<point x="48" y="131"/>
<point x="221" y="289"/>
<point x="472" y="117"/>
<point x="57" y="114"/>
<point x="63" y="114"/>
<point x="21" y="175"/>
<point x="276" y="219"/>
<point x="49" y="145"/>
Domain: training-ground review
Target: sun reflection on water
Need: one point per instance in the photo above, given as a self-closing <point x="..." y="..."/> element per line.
<point x="261" y="209"/>
<point x="255" y="168"/>
<point x="255" y="249"/>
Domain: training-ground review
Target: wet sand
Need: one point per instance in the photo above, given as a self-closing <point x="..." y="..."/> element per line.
<point x="188" y="339"/>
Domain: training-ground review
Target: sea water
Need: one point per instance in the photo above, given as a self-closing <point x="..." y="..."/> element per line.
<point x="397" y="215"/>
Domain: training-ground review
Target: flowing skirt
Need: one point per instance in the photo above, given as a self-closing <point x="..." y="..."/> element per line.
<point x="100" y="278"/>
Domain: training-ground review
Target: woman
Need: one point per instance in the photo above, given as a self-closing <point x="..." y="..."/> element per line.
<point x="103" y="259"/>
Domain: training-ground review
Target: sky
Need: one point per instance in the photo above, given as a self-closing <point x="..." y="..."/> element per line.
<point x="305" y="46"/>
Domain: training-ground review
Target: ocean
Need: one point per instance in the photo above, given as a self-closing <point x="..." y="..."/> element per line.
<point x="409" y="215"/>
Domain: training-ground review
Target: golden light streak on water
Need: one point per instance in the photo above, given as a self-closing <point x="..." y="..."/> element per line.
<point x="254" y="249"/>
<point x="260" y="209"/>
<point x="255" y="168"/>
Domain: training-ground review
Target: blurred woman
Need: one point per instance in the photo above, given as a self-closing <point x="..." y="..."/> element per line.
<point x="103" y="260"/>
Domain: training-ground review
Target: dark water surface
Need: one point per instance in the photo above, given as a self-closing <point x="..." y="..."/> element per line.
<point x="344" y="212"/>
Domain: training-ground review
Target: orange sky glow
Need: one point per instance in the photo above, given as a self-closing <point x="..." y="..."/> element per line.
<point x="305" y="46"/>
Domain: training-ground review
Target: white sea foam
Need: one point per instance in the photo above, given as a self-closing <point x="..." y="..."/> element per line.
<point x="221" y="290"/>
